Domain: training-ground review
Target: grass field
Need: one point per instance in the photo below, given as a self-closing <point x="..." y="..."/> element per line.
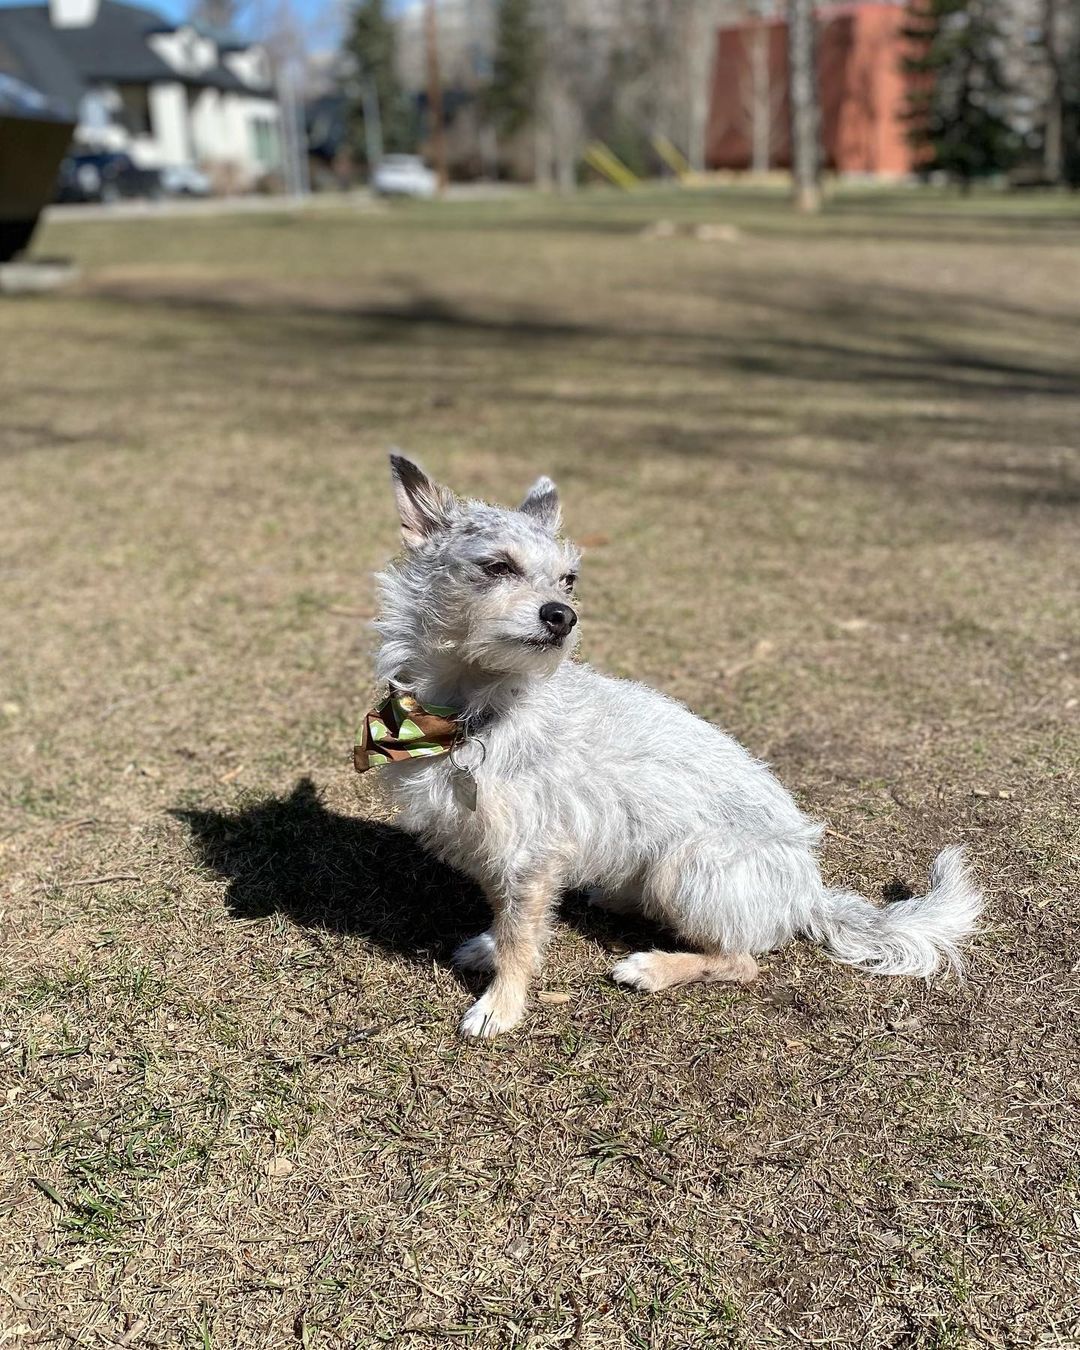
<point x="828" y="478"/>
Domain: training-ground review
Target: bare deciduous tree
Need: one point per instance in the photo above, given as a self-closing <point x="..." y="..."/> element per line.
<point x="762" y="96"/>
<point x="803" y="98"/>
<point x="1054" y="111"/>
<point x="220" y="15"/>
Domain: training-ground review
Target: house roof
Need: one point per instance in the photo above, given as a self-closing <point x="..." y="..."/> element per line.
<point x="29" y="52"/>
<point x="19" y="99"/>
<point x="64" y="62"/>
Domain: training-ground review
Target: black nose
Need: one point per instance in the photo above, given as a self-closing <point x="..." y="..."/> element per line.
<point x="559" y="618"/>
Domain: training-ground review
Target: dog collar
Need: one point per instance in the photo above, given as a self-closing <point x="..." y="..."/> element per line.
<point x="401" y="727"/>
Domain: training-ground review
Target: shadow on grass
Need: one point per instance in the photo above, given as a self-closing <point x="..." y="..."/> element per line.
<point x="905" y="337"/>
<point x="339" y="874"/>
<point x="345" y="875"/>
<point x="875" y="368"/>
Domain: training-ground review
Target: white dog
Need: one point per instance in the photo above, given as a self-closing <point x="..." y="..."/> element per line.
<point x="534" y="774"/>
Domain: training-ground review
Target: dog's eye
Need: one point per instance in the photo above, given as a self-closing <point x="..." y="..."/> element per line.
<point x="498" y="567"/>
<point x="569" y="581"/>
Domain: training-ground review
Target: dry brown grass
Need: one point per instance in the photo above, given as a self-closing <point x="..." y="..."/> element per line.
<point x="831" y="479"/>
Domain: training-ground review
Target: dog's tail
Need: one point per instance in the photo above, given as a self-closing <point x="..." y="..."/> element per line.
<point x="906" y="937"/>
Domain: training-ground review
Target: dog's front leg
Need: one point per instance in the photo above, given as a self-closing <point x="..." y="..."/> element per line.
<point x="522" y="911"/>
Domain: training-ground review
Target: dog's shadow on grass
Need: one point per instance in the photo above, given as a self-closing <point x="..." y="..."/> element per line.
<point x="346" y="875"/>
<point x="335" y="873"/>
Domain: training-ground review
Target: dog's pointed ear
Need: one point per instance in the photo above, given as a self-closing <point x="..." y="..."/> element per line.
<point x="542" y="503"/>
<point x="424" y="506"/>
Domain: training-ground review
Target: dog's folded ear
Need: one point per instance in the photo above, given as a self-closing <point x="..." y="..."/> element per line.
<point x="423" y="505"/>
<point x="542" y="503"/>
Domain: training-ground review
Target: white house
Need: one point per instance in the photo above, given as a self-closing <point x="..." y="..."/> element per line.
<point x="169" y="96"/>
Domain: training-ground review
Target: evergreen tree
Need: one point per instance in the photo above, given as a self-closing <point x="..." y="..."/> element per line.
<point x="372" y="43"/>
<point x="957" y="105"/>
<point x="515" y="75"/>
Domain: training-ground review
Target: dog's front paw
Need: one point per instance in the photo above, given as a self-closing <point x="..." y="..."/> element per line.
<point x="476" y="954"/>
<point x="486" y="1018"/>
<point x="637" y="972"/>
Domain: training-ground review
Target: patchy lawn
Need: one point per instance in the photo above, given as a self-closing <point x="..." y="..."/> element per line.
<point x="828" y="474"/>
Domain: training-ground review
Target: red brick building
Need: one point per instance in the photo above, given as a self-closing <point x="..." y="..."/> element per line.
<point x="863" y="93"/>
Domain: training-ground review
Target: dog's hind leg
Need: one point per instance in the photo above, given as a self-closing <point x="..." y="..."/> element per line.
<point x="650" y="971"/>
<point x="727" y="899"/>
<point x="517" y="936"/>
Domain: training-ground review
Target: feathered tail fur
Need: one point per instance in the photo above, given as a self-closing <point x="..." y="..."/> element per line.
<point x="906" y="937"/>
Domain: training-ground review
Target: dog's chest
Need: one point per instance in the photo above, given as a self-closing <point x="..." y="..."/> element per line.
<point x="455" y="811"/>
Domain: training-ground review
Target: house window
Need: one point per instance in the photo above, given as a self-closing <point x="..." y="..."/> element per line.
<point x="265" y="147"/>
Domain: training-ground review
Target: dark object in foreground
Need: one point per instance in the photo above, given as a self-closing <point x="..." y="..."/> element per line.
<point x="31" y="147"/>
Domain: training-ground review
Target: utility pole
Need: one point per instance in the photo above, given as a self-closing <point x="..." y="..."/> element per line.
<point x="434" y="91"/>
<point x="803" y="97"/>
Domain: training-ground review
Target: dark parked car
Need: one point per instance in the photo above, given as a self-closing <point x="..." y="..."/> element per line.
<point x="105" y="177"/>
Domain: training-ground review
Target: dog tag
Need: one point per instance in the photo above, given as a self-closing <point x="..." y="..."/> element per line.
<point x="465" y="788"/>
<point x="464" y="776"/>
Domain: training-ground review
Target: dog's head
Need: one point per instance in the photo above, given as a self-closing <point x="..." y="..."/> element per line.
<point x="485" y="586"/>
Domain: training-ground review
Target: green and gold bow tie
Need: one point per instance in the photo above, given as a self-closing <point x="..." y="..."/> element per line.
<point x="402" y="728"/>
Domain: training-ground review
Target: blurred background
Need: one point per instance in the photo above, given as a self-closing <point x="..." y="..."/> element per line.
<point x="227" y="97"/>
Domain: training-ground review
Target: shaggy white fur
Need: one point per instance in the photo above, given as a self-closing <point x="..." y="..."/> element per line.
<point x="587" y="780"/>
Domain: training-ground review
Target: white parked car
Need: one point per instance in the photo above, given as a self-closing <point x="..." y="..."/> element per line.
<point x="185" y="180"/>
<point x="403" y="176"/>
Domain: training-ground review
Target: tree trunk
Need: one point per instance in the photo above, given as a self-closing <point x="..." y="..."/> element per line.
<point x="803" y="97"/>
<point x="373" y="141"/>
<point x="697" y="64"/>
<point x="542" y="157"/>
<point x="1054" y="111"/>
<point x="489" y="152"/>
<point x="435" y="101"/>
<point x="563" y="122"/>
<point x="761" y="109"/>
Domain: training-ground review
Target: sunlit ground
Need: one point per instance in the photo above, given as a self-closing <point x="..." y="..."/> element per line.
<point x="827" y="474"/>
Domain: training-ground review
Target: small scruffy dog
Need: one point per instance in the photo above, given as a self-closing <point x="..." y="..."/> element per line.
<point x="534" y="775"/>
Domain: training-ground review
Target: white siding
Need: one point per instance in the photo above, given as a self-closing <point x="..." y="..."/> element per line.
<point x="255" y="133"/>
<point x="169" y="123"/>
